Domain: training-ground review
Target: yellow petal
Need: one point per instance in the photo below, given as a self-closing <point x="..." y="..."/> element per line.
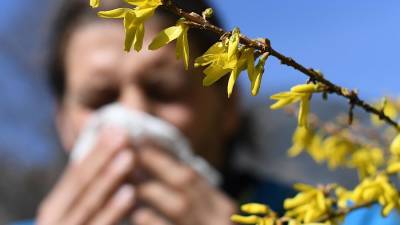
<point x="300" y="199"/>
<point x="303" y="187"/>
<point x="295" y="150"/>
<point x="393" y="167"/>
<point x="129" y="20"/>
<point x="305" y="88"/>
<point x="232" y="80"/>
<point x="390" y="110"/>
<point x="166" y="36"/>
<point x="255" y="85"/>
<point x="211" y="55"/>
<point x="387" y="209"/>
<point x="282" y="95"/>
<point x="303" y="110"/>
<point x="233" y="43"/>
<point x="321" y="201"/>
<point x="231" y="63"/>
<point x="395" y="146"/>
<point x="216" y="48"/>
<point x="250" y="67"/>
<point x="185" y="48"/>
<point x="245" y="219"/>
<point x="255" y="208"/>
<point x="143" y="14"/>
<point x="130" y="30"/>
<point x="213" y="73"/>
<point x="139" y="35"/>
<point x="204" y="60"/>
<point x="182" y="48"/>
<point x="115" y="13"/>
<point x="144" y="3"/>
<point x="139" y="3"/>
<point x="94" y="3"/>
<point x="259" y="71"/>
<point x="130" y="37"/>
<point x="284" y="102"/>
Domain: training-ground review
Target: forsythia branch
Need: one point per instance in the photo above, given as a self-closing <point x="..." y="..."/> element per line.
<point x="197" y="21"/>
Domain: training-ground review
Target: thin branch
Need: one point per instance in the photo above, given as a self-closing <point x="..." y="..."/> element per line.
<point x="344" y="211"/>
<point x="197" y="21"/>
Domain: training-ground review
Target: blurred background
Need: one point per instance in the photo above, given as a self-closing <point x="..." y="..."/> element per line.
<point x="354" y="43"/>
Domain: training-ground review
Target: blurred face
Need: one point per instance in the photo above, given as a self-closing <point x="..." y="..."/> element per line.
<point x="99" y="72"/>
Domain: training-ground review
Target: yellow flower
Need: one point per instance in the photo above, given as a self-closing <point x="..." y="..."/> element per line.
<point x="389" y="109"/>
<point x="366" y="160"/>
<point x="297" y="93"/>
<point x="301" y="140"/>
<point x="337" y="150"/>
<point x="133" y="20"/>
<point x="287" y="98"/>
<point x="393" y="167"/>
<point x="378" y="189"/>
<point x="395" y="146"/>
<point x="238" y="66"/>
<point x="256" y="72"/>
<point x="284" y="98"/>
<point x="309" y="205"/>
<point x="94" y="3"/>
<point x="222" y="58"/>
<point x="178" y="32"/>
<point x="214" y="58"/>
<point x="315" y="149"/>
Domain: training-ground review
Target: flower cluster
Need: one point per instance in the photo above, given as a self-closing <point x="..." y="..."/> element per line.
<point x="337" y="150"/>
<point x="228" y="57"/>
<point x="309" y="205"/>
<point x="371" y="190"/>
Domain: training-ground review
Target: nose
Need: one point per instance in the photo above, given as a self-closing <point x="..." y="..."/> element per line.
<point x="134" y="98"/>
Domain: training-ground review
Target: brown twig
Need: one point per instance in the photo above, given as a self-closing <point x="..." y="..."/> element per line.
<point x="197" y="21"/>
<point x="344" y="211"/>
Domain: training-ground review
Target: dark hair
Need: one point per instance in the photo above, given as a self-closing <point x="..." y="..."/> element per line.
<point x="74" y="12"/>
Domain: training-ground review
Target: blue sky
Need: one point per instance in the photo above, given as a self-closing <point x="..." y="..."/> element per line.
<point x="355" y="43"/>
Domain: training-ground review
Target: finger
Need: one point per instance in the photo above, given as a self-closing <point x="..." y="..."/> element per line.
<point x="117" y="208"/>
<point x="146" y="216"/>
<point x="167" y="169"/>
<point x="165" y="200"/>
<point x="78" y="176"/>
<point x="96" y="195"/>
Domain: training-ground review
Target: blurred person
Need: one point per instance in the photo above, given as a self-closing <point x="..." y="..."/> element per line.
<point x="89" y="69"/>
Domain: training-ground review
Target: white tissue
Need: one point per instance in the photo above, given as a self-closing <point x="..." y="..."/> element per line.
<point x="142" y="125"/>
